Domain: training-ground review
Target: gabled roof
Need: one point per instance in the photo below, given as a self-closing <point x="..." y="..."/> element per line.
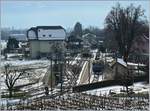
<point x="49" y="27"/>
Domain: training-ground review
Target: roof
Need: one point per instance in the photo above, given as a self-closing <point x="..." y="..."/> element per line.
<point x="119" y="61"/>
<point x="35" y="29"/>
<point x="46" y="27"/>
<point x="146" y="37"/>
<point x="74" y="39"/>
<point x="50" y="27"/>
<point x="89" y="34"/>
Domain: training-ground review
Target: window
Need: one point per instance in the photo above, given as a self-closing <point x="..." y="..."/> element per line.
<point x="43" y="35"/>
<point x="50" y="35"/>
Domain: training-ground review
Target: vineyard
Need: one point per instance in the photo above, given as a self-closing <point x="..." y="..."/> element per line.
<point x="81" y="101"/>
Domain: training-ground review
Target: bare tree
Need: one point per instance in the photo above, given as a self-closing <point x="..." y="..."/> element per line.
<point x="11" y="76"/>
<point x="58" y="50"/>
<point x="125" y="24"/>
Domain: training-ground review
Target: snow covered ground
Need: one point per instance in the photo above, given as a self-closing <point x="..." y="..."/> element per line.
<point x="76" y="59"/>
<point x="93" y="78"/>
<point x="25" y="62"/>
<point x="137" y="87"/>
<point x="39" y="73"/>
<point x="81" y="73"/>
<point x="5" y="102"/>
<point x="109" y="59"/>
<point x="3" y="44"/>
<point x="135" y="64"/>
<point x="94" y="53"/>
<point x="13" y="55"/>
<point x="140" y="87"/>
<point x="31" y="75"/>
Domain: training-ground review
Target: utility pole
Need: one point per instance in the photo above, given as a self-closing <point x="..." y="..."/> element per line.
<point x="89" y="69"/>
<point x="105" y="58"/>
<point x="138" y="65"/>
<point x="51" y="75"/>
<point x="61" y="69"/>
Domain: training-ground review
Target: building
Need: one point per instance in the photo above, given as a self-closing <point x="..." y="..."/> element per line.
<point x="74" y="44"/>
<point x="42" y="38"/>
<point x="119" y="68"/>
<point x="116" y="70"/>
<point x="3" y="46"/>
<point x="25" y="49"/>
<point x="91" y="40"/>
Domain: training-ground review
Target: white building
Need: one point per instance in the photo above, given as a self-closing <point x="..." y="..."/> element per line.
<point x="41" y="39"/>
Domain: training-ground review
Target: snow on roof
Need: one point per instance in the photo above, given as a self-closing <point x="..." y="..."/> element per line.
<point x="135" y="64"/>
<point x="46" y="27"/>
<point x="88" y="35"/>
<point x="147" y="38"/>
<point x="121" y="61"/>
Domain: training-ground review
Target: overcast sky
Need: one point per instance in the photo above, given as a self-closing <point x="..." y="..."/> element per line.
<point x="25" y="14"/>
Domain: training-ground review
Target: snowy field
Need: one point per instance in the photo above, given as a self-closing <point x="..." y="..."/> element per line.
<point x="37" y="90"/>
<point x="25" y="62"/>
<point x="31" y="75"/>
<point x="137" y="88"/>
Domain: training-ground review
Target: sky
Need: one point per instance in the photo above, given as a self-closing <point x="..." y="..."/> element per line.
<point x="26" y="14"/>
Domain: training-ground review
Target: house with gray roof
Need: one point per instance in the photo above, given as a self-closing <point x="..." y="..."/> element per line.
<point x="41" y="39"/>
